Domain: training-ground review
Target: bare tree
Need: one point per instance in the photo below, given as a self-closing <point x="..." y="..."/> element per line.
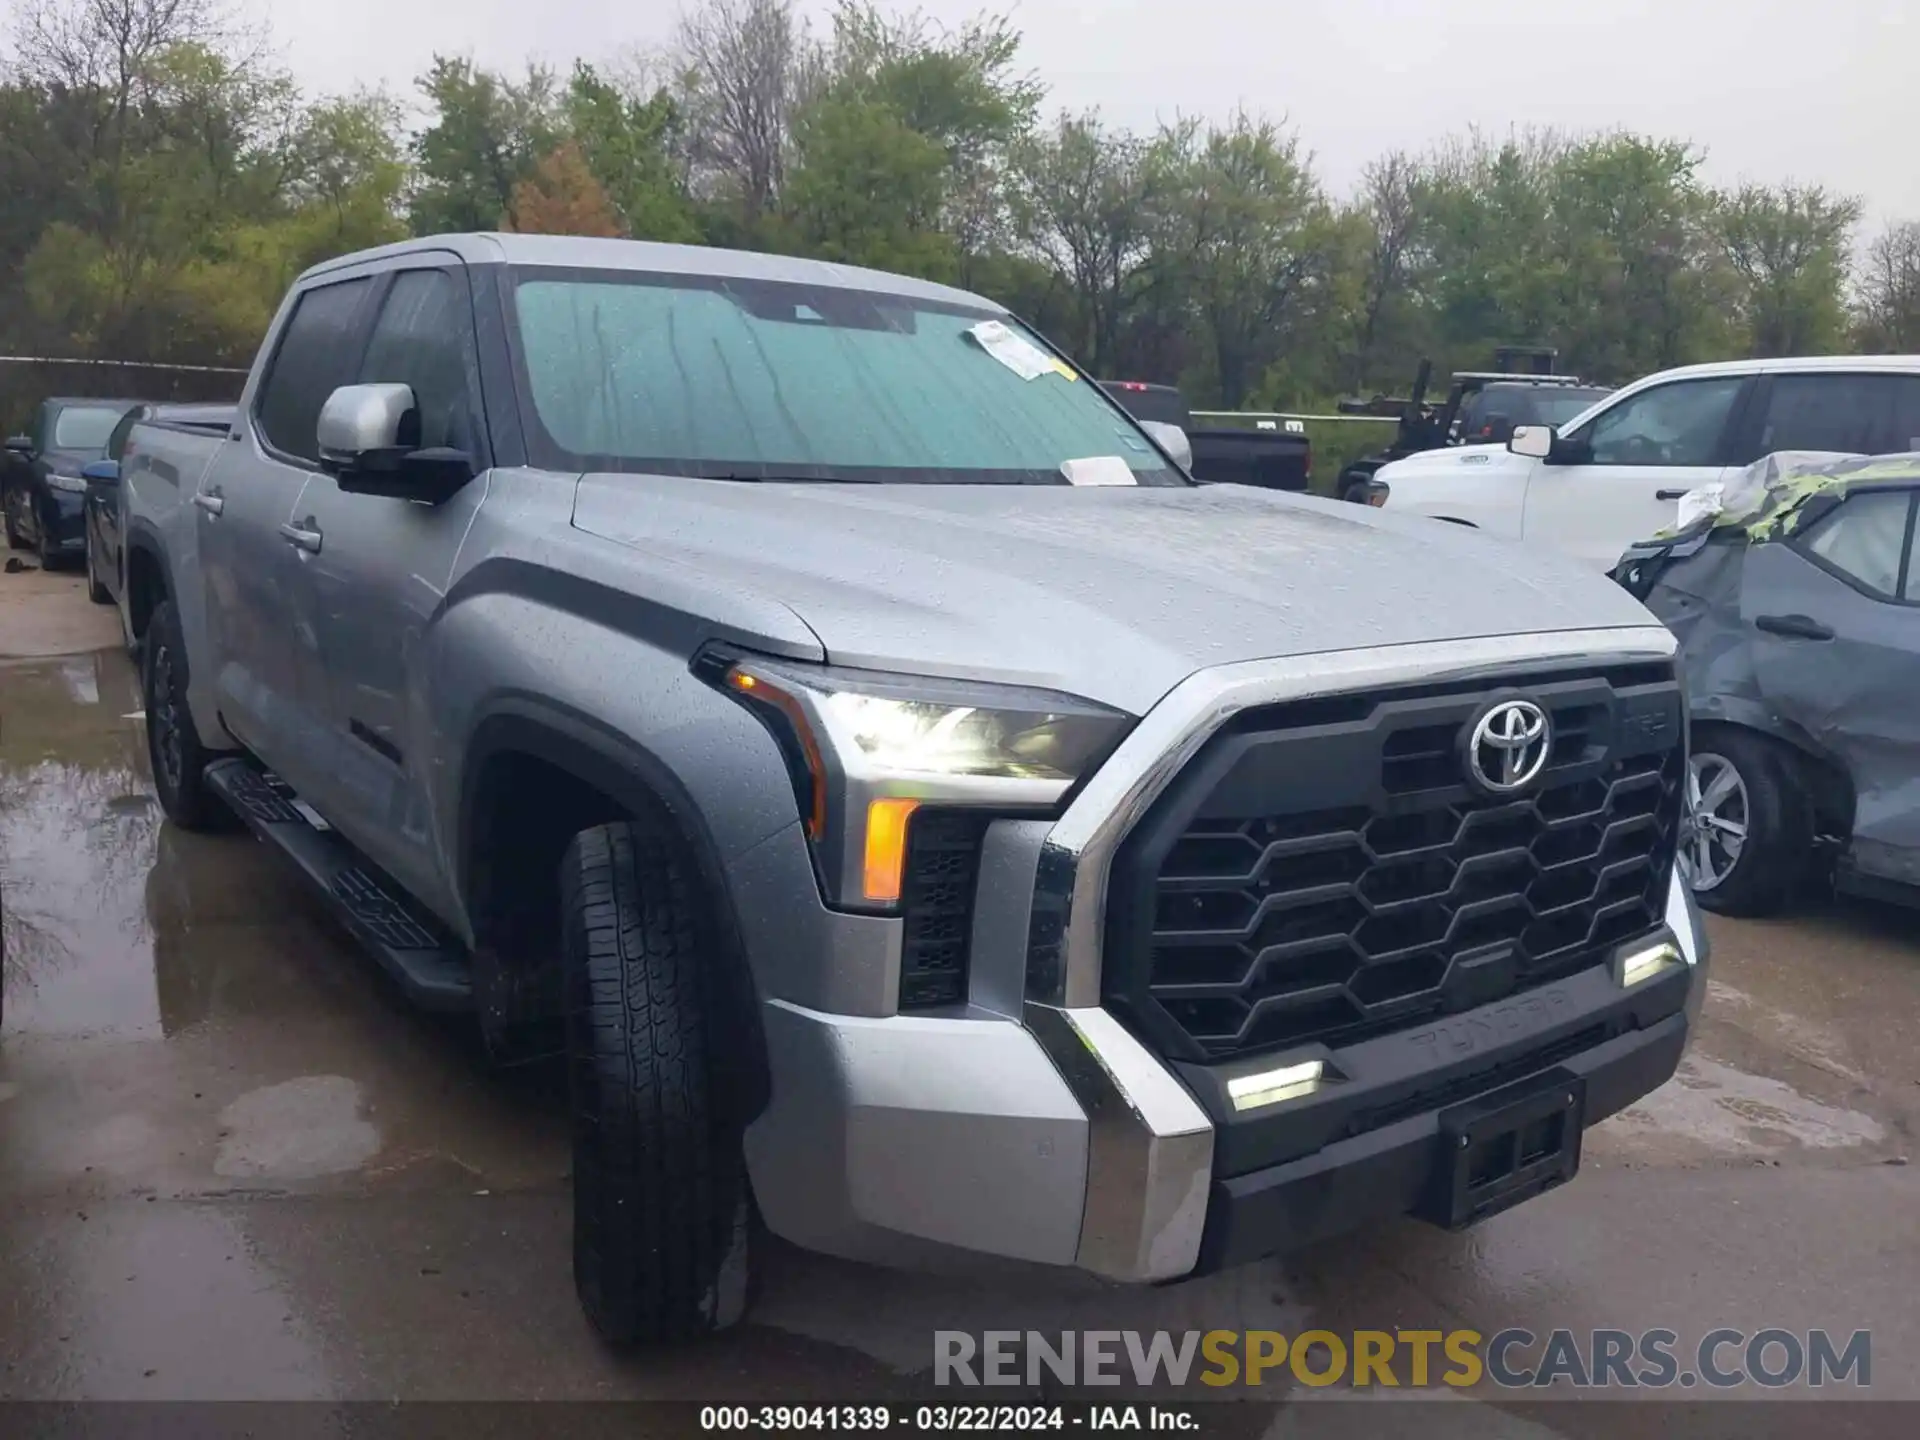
<point x="108" y="51"/>
<point x="1890" y="290"/>
<point x="106" y="46"/>
<point x="1392" y="204"/>
<point x="742" y="61"/>
<point x="1082" y="198"/>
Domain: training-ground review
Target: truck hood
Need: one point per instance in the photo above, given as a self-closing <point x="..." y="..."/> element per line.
<point x="1454" y="460"/>
<point x="1116" y="594"/>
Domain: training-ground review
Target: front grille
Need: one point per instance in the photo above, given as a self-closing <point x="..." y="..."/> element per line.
<point x="936" y="907"/>
<point x="1323" y="872"/>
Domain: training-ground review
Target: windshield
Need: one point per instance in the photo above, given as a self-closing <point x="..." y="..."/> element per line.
<point x="84" y="427"/>
<point x="750" y="379"/>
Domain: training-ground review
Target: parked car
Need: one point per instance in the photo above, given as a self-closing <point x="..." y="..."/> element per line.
<point x="1273" y="455"/>
<point x="112" y="482"/>
<point x="42" y="491"/>
<point x="1797" y="605"/>
<point x="1610" y="476"/>
<point x="932" y="822"/>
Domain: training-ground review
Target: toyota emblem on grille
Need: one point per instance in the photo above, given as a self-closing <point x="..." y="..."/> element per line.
<point x="1508" y="745"/>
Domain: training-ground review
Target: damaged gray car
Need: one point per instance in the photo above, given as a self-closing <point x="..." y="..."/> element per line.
<point x="1795" y="595"/>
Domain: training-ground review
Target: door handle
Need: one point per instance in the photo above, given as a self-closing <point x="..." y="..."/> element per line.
<point x="211" y="501"/>
<point x="1794" y="627"/>
<point x="1671" y="494"/>
<point x="306" y="535"/>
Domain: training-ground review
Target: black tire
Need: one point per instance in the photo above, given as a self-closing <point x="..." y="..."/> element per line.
<point x="15" y="540"/>
<point x="174" y="751"/>
<point x="44" y="551"/>
<point x="96" y="592"/>
<point x="663" y="1226"/>
<point x="1776" y="855"/>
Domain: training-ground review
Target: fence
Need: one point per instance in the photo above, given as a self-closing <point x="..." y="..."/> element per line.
<point x="26" y="380"/>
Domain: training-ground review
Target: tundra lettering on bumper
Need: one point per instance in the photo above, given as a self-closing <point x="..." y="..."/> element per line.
<point x="1058" y="1117"/>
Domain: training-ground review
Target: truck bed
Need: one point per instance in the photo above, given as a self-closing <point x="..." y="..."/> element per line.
<point x="1269" y="459"/>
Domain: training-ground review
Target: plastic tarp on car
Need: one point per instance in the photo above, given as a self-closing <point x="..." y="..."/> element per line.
<point x="1833" y="670"/>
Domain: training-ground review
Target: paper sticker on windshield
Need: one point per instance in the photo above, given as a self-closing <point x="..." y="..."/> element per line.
<point x="1098" y="470"/>
<point x="1015" y="351"/>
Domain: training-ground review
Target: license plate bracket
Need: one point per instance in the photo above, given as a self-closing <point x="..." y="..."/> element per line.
<point x="1507" y="1147"/>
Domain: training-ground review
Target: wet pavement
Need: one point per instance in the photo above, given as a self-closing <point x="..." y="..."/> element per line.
<point x="234" y="1165"/>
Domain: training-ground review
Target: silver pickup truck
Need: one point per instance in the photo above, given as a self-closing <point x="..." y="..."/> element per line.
<point x="927" y="821"/>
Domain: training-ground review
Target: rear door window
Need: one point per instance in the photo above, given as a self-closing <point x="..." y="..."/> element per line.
<point x="315" y="357"/>
<point x="1865" y="539"/>
<point x="1855" y="414"/>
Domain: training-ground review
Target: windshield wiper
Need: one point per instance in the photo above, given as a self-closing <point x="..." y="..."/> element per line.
<point x="785" y="479"/>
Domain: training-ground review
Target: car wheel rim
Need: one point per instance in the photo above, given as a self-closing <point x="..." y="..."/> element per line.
<point x="163" y="719"/>
<point x="1715" y="832"/>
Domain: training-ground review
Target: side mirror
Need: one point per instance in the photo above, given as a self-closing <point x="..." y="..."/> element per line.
<point x="20" y="444"/>
<point x="1533" y="441"/>
<point x="369" y="441"/>
<point x="1173" y="440"/>
<point x="101" y="472"/>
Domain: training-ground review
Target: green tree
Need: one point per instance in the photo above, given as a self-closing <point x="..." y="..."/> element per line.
<point x="1245" y="235"/>
<point x="487" y="135"/>
<point x="631" y="147"/>
<point x="1789" y="246"/>
<point x="866" y="189"/>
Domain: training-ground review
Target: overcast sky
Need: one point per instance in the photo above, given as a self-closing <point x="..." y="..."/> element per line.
<point x="1823" y="91"/>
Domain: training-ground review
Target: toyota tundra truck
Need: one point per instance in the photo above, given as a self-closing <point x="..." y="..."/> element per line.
<point x="926" y="821"/>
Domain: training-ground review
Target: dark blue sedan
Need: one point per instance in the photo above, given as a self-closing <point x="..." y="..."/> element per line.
<point x="42" y="492"/>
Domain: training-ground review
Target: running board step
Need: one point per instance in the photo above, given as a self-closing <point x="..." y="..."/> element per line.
<point x="429" y="966"/>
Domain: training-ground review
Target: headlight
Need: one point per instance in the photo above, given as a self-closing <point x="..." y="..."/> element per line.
<point x="72" y="484"/>
<point x="867" y="749"/>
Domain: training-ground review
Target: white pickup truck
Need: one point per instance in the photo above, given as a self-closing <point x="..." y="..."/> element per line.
<point x="1611" y="476"/>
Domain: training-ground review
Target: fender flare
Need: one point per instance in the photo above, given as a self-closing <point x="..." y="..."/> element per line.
<point x="633" y="777"/>
<point x="1747" y="714"/>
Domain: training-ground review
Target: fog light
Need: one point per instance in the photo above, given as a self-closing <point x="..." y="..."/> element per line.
<point x="1634" y="966"/>
<point x="1270" y="1087"/>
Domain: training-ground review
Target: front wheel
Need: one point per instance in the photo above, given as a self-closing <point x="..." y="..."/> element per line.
<point x="1747" y="834"/>
<point x="662" y="1217"/>
<point x="46" y="547"/>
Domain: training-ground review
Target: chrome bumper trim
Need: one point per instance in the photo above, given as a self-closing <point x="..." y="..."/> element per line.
<point x="1150" y="1146"/>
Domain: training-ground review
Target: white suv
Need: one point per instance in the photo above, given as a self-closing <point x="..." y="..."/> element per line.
<point x="1610" y="477"/>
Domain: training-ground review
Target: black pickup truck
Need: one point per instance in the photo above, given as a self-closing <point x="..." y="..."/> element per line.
<point x="1277" y="459"/>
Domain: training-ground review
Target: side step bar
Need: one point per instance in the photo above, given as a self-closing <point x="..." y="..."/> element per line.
<point x="430" y="966"/>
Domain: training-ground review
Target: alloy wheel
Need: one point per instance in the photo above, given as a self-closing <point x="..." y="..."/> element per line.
<point x="1717" y="816"/>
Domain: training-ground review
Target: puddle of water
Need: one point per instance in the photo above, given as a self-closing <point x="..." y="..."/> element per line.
<point x="1813" y="1043"/>
<point x="1734" y="1112"/>
<point x="81" y="679"/>
<point x="296" y="1130"/>
<point x="74" y="859"/>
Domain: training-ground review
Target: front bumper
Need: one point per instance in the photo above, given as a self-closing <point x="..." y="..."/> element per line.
<point x="1033" y="1125"/>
